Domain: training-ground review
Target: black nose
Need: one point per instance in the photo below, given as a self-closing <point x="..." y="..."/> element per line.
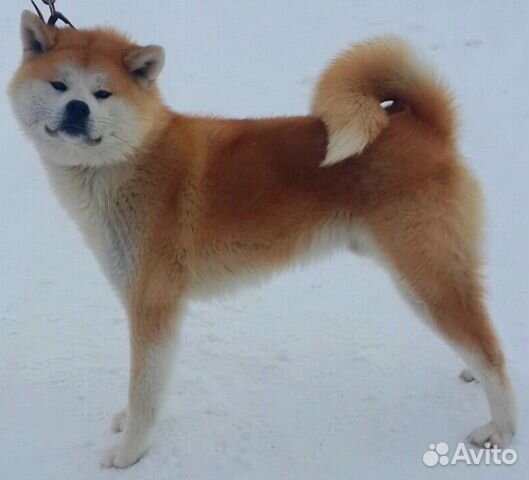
<point x="75" y="120"/>
<point x="77" y="111"/>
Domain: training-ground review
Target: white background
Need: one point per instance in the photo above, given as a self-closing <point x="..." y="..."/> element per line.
<point x="321" y="374"/>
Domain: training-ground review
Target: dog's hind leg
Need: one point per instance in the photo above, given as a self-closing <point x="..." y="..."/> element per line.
<point x="458" y="313"/>
<point x="435" y="259"/>
<point x="418" y="306"/>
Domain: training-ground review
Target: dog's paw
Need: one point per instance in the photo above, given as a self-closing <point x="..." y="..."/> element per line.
<point x="119" y="421"/>
<point x="467" y="376"/>
<point x="490" y="435"/>
<point x="120" y="457"/>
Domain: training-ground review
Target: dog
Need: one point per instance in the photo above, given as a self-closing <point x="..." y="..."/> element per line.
<point x="179" y="207"/>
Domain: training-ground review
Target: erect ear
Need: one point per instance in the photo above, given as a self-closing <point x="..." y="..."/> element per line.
<point x="145" y="63"/>
<point x="37" y="37"/>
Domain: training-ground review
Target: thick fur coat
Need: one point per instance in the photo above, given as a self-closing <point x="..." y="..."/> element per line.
<point x="176" y="207"/>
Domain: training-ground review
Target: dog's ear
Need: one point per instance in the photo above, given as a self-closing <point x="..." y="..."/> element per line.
<point x="145" y="63"/>
<point x="37" y="37"/>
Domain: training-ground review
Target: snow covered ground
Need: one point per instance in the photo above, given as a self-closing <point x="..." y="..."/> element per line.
<point x="321" y="374"/>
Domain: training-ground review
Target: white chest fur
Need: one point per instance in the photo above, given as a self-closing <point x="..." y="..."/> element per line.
<point x="93" y="198"/>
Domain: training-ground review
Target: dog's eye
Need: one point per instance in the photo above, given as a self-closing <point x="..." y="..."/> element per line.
<point x="102" y="94"/>
<point x="59" y="86"/>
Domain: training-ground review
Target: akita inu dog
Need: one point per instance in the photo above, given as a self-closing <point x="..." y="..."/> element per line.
<point x="178" y="206"/>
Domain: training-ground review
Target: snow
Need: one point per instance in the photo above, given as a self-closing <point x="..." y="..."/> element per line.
<point x="322" y="373"/>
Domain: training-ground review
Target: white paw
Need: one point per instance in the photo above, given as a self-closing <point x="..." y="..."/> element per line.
<point x="490" y="434"/>
<point x="120" y="457"/>
<point x="467" y="376"/>
<point x="119" y="421"/>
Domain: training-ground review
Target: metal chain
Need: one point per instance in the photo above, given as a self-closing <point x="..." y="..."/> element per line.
<point x="54" y="14"/>
<point x="51" y="4"/>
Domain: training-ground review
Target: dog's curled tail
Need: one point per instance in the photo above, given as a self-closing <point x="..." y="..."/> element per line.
<point x="350" y="91"/>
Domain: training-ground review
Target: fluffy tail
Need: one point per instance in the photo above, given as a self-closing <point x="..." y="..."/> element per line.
<point x="350" y="91"/>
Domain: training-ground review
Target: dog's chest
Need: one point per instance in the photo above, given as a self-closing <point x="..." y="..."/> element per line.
<point x="117" y="250"/>
<point x="105" y="218"/>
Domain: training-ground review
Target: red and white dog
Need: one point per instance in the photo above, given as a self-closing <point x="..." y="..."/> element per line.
<point x="177" y="206"/>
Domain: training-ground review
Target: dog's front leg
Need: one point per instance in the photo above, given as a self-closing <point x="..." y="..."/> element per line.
<point x="153" y="329"/>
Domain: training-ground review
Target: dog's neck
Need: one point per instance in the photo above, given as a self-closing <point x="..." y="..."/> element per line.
<point x="102" y="200"/>
<point x="87" y="188"/>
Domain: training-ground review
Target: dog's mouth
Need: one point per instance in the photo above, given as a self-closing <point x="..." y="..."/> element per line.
<point x="72" y="132"/>
<point x="50" y="132"/>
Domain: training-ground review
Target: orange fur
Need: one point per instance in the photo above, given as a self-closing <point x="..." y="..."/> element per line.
<point x="350" y="91"/>
<point x="207" y="200"/>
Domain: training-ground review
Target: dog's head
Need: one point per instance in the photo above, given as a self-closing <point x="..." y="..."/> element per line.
<point x="85" y="97"/>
